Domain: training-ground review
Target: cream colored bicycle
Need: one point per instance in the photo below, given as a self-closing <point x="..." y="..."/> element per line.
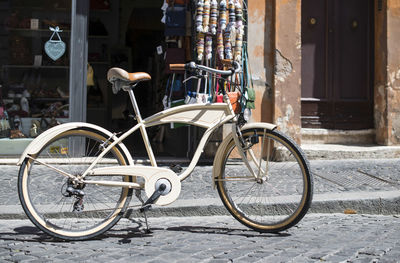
<point x="76" y="179"/>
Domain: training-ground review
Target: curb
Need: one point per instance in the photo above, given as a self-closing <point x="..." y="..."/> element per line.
<point x="384" y="202"/>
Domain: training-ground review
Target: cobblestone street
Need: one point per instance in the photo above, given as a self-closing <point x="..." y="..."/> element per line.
<point x="318" y="237"/>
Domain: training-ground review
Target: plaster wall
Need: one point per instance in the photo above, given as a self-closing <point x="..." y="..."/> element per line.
<point x="275" y="59"/>
<point x="261" y="56"/>
<point x="287" y="73"/>
<point x="387" y="72"/>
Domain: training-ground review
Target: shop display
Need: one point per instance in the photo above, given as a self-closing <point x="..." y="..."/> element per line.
<point x="4" y="123"/>
<point x="55" y="48"/>
<point x="218" y="39"/>
<point x="34" y="66"/>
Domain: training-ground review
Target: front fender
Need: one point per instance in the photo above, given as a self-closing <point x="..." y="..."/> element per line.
<point x="222" y="147"/>
<point x="35" y="146"/>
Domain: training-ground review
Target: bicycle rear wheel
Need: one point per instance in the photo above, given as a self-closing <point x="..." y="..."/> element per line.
<point x="57" y="206"/>
<point x="278" y="194"/>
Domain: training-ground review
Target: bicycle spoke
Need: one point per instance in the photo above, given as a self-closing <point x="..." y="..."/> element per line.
<point x="62" y="202"/>
<point x="272" y="201"/>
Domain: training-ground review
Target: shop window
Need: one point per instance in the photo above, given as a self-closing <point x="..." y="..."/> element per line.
<point x="34" y="69"/>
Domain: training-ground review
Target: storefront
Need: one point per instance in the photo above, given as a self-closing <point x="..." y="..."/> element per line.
<point x="54" y="56"/>
<point x="35" y="54"/>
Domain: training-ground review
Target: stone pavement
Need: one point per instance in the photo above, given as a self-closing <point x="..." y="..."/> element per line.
<point x="204" y="232"/>
<point x="366" y="186"/>
<point x="317" y="238"/>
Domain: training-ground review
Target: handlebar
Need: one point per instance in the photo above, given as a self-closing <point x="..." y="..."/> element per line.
<point x="192" y="66"/>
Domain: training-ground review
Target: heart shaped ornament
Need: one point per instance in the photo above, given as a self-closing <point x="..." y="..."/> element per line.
<point x="54" y="49"/>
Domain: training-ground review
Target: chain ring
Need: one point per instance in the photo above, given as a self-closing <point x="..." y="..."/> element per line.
<point x="173" y="194"/>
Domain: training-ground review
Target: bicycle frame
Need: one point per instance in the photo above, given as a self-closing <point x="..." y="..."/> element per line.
<point x="209" y="116"/>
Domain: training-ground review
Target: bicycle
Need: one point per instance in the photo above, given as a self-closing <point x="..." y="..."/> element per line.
<point x="76" y="180"/>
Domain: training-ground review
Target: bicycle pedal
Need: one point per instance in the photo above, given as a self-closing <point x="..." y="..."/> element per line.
<point x="176" y="168"/>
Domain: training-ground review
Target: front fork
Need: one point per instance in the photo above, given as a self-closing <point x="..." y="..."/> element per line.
<point x="244" y="147"/>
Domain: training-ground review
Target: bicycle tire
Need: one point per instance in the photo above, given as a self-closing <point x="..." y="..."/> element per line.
<point x="279" y="198"/>
<point x="43" y="193"/>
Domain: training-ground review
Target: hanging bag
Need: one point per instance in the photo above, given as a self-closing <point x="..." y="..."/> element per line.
<point x="219" y="98"/>
<point x="250" y="94"/>
<point x="202" y="97"/>
<point x="234" y="97"/>
<point x="175" y="21"/>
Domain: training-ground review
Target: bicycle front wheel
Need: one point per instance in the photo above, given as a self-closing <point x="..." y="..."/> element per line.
<point x="61" y="208"/>
<point x="277" y="193"/>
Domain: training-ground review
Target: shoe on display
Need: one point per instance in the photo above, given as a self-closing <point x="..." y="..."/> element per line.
<point x="24" y="104"/>
<point x="26" y="94"/>
<point x="11" y="94"/>
<point x="14" y="107"/>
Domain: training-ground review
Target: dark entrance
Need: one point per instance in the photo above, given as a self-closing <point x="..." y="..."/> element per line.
<point x="337" y="64"/>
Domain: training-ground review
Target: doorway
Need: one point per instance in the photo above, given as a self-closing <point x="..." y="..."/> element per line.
<point x="144" y="34"/>
<point x="337" y="64"/>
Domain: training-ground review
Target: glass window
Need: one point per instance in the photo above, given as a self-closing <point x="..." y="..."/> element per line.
<point x="34" y="69"/>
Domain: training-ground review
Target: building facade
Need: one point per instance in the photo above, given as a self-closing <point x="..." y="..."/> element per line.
<point x="315" y="64"/>
<point x="327" y="64"/>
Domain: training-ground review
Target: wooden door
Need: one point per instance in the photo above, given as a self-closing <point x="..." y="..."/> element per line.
<point x="337" y="66"/>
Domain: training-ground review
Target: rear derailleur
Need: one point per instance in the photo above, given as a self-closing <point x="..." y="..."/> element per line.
<point x="70" y="189"/>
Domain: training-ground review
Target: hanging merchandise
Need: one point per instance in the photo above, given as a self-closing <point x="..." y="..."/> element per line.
<point x="177" y="2"/>
<point x="222" y="15"/>
<point x="239" y="17"/>
<point x="175" y="21"/>
<point x="234" y="97"/>
<point x="219" y="98"/>
<point x="227" y="44"/>
<point x="199" y="16"/>
<point x="222" y="22"/>
<point x="213" y="16"/>
<point x="208" y="47"/>
<point x="174" y="91"/>
<point x="202" y="97"/>
<point x="239" y="31"/>
<point x="206" y="16"/>
<point x="55" y="48"/>
<point x="200" y="46"/>
<point x="238" y="47"/>
<point x="232" y="16"/>
<point x="173" y="95"/>
<point x="220" y="44"/>
<point x="250" y="94"/>
<point x="224" y="87"/>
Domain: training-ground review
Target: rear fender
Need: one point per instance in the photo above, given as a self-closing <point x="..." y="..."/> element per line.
<point x="35" y="146"/>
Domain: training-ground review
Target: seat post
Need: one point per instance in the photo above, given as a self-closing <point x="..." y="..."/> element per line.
<point x="135" y="106"/>
<point x="143" y="131"/>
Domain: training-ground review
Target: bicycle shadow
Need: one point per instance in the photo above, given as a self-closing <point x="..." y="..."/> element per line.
<point x="126" y="235"/>
<point x="34" y="234"/>
<point x="225" y="231"/>
<point x="27" y="234"/>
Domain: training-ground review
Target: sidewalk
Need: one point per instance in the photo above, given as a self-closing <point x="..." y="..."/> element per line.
<point x="369" y="186"/>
